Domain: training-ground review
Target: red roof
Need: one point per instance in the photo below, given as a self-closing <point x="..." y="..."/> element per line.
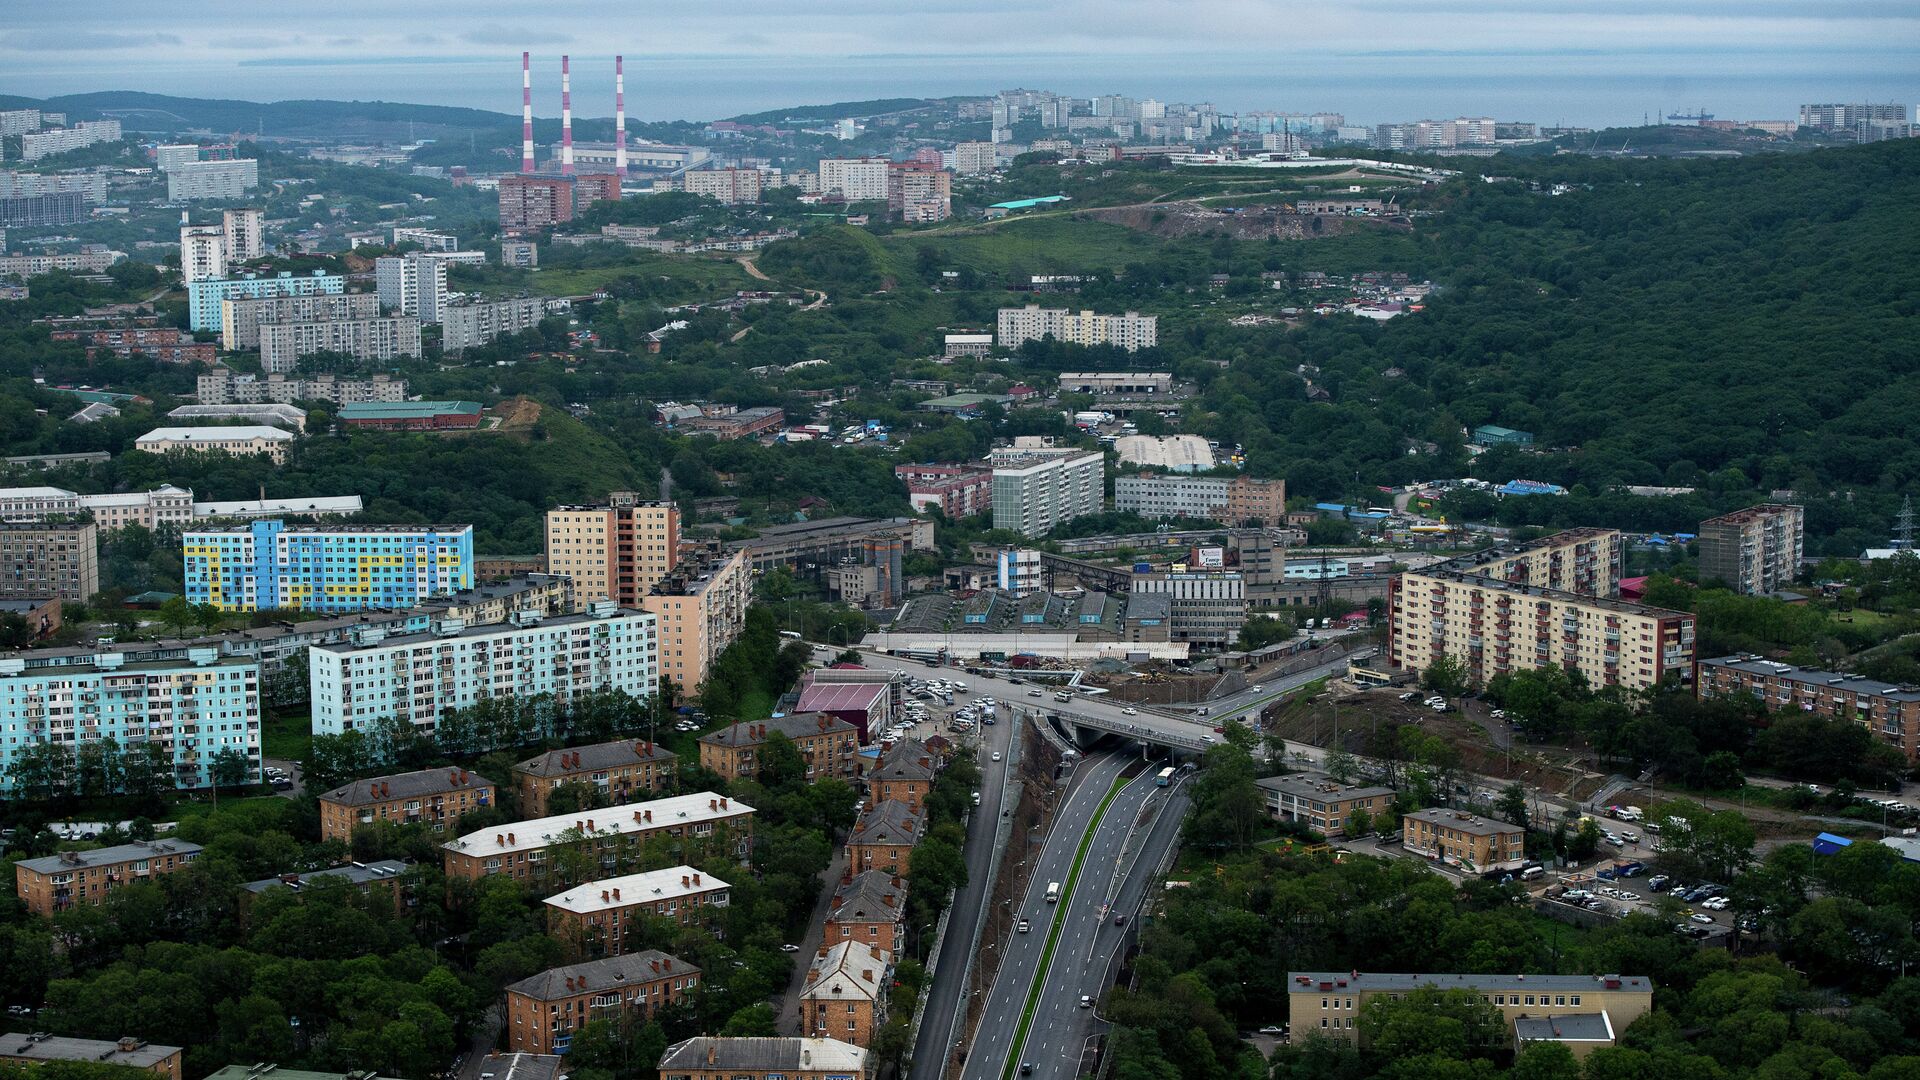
<point x="849" y="667"/>
<point x="840" y="697"/>
<point x="1633" y="588"/>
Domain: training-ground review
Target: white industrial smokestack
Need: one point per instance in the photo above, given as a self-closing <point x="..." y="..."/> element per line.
<point x="620" y="116"/>
<point x="566" y="118"/>
<point x="526" y="112"/>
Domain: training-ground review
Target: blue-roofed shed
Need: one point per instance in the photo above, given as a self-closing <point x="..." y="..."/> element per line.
<point x="1827" y="844"/>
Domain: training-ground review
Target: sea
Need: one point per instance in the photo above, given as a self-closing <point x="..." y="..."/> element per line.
<point x="1556" y="87"/>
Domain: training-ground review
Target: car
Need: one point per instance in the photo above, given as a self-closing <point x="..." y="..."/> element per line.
<point x="1206" y="738"/>
<point x="789" y="948"/>
<point x="1687" y="912"/>
<point x="996" y="755"/>
<point x="1204" y="710"/>
<point x="1035" y="693"/>
<point x="1130" y="711"/>
<point x="1023" y="926"/>
<point x="1119" y="918"/>
<point x="1256" y="688"/>
<point x="988" y="719"/>
<point x="1219" y="731"/>
<point x="1026" y="1068"/>
<point x="1631" y="838"/>
<point x="1498" y="714"/>
<point x="1086" y="1002"/>
<point x="1410" y="695"/>
<point x="1708" y="919"/>
<point x="1273" y="1029"/>
<point x="19" y="1010"/>
<point x="1658" y="882"/>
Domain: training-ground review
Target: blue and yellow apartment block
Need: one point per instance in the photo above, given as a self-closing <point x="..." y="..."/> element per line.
<point x="337" y="568"/>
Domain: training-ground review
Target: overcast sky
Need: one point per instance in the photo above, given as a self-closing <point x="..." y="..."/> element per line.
<point x="48" y="47"/>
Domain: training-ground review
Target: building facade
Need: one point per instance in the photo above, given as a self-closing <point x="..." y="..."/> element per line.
<point x="619" y="551"/>
<point x="845" y="993"/>
<point x="883" y="839"/>
<point x="868" y="908"/>
<point x="904" y="775"/>
<point x="1131" y="331"/>
<point x="379" y="338"/>
<point x="242" y="317"/>
<point x="1206" y="607"/>
<point x="1234" y="501"/>
<point x="703" y="821"/>
<point x="957" y="491"/>
<point x="413" y="284"/>
<point x="417" y="677"/>
<point x="1129" y="383"/>
<point x="544" y="1011"/>
<point x="1457" y="838"/>
<point x="1033" y="493"/>
<point x="618" y="772"/>
<point x="224" y="387"/>
<point x="203" y="252"/>
<point x="716" y="1057"/>
<point x="731" y="187"/>
<point x="1329" y="1004"/>
<point x="1890" y="711"/>
<point x="437" y="797"/>
<point x="606" y="917"/>
<point x="535" y="202"/>
<point x="830" y="746"/>
<point x="49" y="558"/>
<point x="1755" y="551"/>
<point x="919" y="194"/>
<point x="55" y="883"/>
<point x="269" y="564"/>
<point x="411" y="415"/>
<point x="1322" y="803"/>
<point x="465" y="325"/>
<point x="205" y="298"/>
<point x="1537" y="605"/>
<point x="854" y="179"/>
<point x="271" y="442"/>
<point x="229" y="180"/>
<point x="702" y="608"/>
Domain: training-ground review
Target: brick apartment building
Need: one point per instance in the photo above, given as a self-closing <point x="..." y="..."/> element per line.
<point x="884" y="837"/>
<point x="436" y="796"/>
<point x="1888" y="710"/>
<point x="830" y="746"/>
<point x="596" y="918"/>
<point x="544" y="1010"/>
<point x="619" y="551"/>
<point x="618" y="771"/>
<point x="845" y="993"/>
<point x="1457" y="838"/>
<point x="1756" y="550"/>
<point x="1320" y="802"/>
<point x="904" y="774"/>
<point x="868" y="908"/>
<point x="49" y="885"/>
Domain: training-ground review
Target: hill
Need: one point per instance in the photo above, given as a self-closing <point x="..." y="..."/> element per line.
<point x="373" y="119"/>
<point x="836" y="111"/>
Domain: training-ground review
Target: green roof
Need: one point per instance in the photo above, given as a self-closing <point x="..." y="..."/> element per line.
<point x="399" y="410"/>
<point x="1022" y="204"/>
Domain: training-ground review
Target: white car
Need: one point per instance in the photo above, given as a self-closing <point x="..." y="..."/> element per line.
<point x="996" y="755"/>
<point x="1130" y="712"/>
<point x="1256" y="688"/>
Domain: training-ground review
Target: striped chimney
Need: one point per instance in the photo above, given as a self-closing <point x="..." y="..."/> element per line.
<point x="566" y="118"/>
<point x="526" y="112"/>
<point x="620" y="116"/>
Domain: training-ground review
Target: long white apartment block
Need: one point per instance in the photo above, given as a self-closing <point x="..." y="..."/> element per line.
<point x="1131" y="331"/>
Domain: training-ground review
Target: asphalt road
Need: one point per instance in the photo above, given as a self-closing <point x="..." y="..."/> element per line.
<point x="1082" y="922"/>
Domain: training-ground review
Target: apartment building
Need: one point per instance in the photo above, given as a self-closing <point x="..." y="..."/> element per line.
<point x="91" y="261"/>
<point x="1849" y="117"/>
<point x="1537" y="605"/>
<point x="1888" y="710"/>
<point x="90" y="186"/>
<point x="520" y="254"/>
<point x="731" y="186"/>
<point x="883" y="839"/>
<point x="438" y="797"/>
<point x="428" y="239"/>
<point x="703" y="820"/>
<point x="1131" y="331"/>
<point x="190" y="181"/>
<point x="618" y="772"/>
<point x="917" y="193"/>
<point x="272" y="442"/>
<point x="412" y="284"/>
<point x="416" y="677"/>
<point x="957" y="345"/>
<point x="34" y="211"/>
<point x="466" y="325"/>
<point x="535" y="202"/>
<point x="1034" y="492"/>
<point x="619" y="551"/>
<point x="35" y="145"/>
<point x="974" y="158"/>
<point x="165" y="344"/>
<point x="1457" y="838"/>
<point x="244" y="229"/>
<point x="175" y="713"/>
<point x="241" y="317"/>
<point x="203" y="252"/>
<point x="904" y="774"/>
<point x="1205" y="607"/>
<point x="383" y="876"/>
<point x="224" y="387"/>
<point x="381" y="338"/>
<point x="1755" y="551"/>
<point x="868" y="908"/>
<point x="49" y="558"/>
<point x="1329" y="1003"/>
<point x="830" y="746"/>
<point x="606" y="917"/>
<point x="544" y="1010"/>
<point x="270" y="564"/>
<point x="1322" y="803"/>
<point x="719" y="1057"/>
<point x="957" y="491"/>
<point x="1234" y="501"/>
<point x="52" y="884"/>
<point x="702" y="608"/>
<point x="40" y="1048"/>
<point x="206" y="299"/>
<point x="845" y="993"/>
<point x="854" y="179"/>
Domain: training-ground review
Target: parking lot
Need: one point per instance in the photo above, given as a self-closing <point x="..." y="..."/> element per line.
<point x="938" y="706"/>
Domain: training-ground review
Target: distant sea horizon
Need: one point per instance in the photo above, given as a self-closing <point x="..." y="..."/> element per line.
<point x="1574" y="87"/>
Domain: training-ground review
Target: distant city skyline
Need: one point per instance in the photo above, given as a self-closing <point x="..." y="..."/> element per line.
<point x="1579" y="61"/>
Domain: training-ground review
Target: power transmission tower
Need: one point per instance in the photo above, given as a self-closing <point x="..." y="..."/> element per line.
<point x="1903" y="525"/>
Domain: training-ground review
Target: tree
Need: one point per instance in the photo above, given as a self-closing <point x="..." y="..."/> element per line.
<point x="1227" y="807"/>
<point x="1511" y="806"/>
<point x="1341" y="765"/>
<point x="1359" y="823"/>
<point x="1721" y="771"/>
<point x="1544" y="1061"/>
<point x="1447" y="675"/>
<point x="177" y="613"/>
<point x="1448" y="1023"/>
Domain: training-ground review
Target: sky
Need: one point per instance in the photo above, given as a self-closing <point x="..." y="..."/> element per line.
<point x="1581" y="61"/>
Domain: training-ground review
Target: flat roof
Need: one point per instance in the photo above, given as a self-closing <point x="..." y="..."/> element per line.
<point x="1320" y="786"/>
<point x="481" y="630"/>
<point x="1566" y="1027"/>
<point x="1305" y="982"/>
<point x="701" y="807"/>
<point x="321" y="504"/>
<point x="1463" y="821"/>
<point x="760" y="1054"/>
<point x="60" y="1048"/>
<point x="275" y="1072"/>
<point x="668" y="884"/>
<point x="403" y="409"/>
<point x="333" y="530"/>
<point x="204" y="434"/>
<point x="356" y="874"/>
<point x="1812" y="678"/>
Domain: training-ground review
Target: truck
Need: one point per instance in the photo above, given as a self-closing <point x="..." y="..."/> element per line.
<point x="1053" y="892"/>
